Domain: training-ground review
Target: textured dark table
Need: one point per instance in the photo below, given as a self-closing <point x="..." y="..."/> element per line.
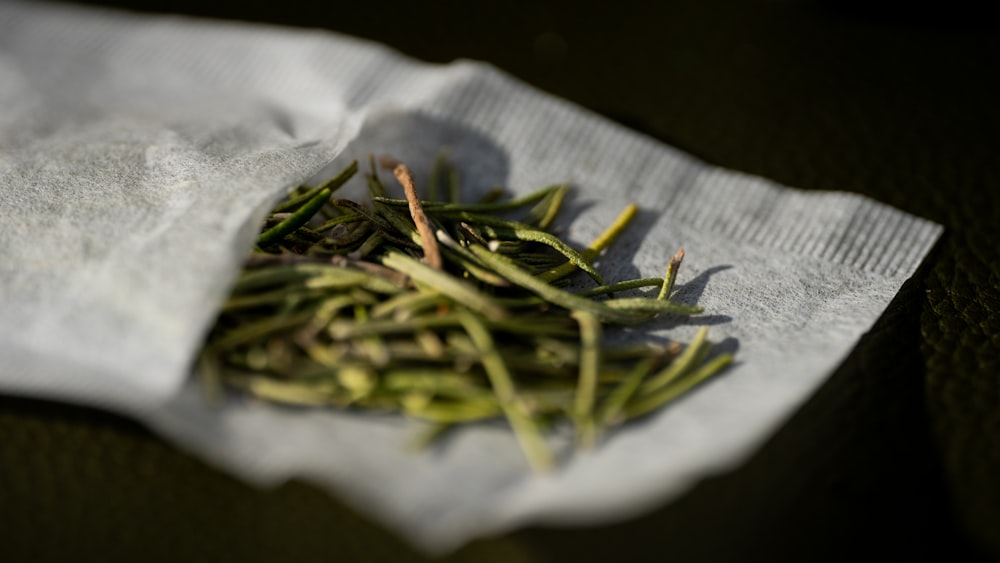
<point x="897" y="456"/>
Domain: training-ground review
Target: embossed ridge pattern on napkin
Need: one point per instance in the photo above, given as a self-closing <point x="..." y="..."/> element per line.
<point x="138" y="154"/>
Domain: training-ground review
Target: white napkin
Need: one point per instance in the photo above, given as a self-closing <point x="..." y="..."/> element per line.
<point x="138" y="155"/>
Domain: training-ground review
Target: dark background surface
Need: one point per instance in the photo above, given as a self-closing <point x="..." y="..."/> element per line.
<point x="897" y="456"/>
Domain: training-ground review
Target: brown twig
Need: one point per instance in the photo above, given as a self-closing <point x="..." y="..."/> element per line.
<point x="432" y="256"/>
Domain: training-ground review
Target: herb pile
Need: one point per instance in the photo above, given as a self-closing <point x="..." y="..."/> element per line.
<point x="447" y="312"/>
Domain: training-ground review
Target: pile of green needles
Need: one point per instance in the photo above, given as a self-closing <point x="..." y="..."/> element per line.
<point x="445" y="311"/>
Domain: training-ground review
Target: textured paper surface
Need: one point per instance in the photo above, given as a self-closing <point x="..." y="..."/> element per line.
<point x="138" y="155"/>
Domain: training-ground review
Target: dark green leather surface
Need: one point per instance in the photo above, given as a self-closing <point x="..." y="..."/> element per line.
<point x="897" y="456"/>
